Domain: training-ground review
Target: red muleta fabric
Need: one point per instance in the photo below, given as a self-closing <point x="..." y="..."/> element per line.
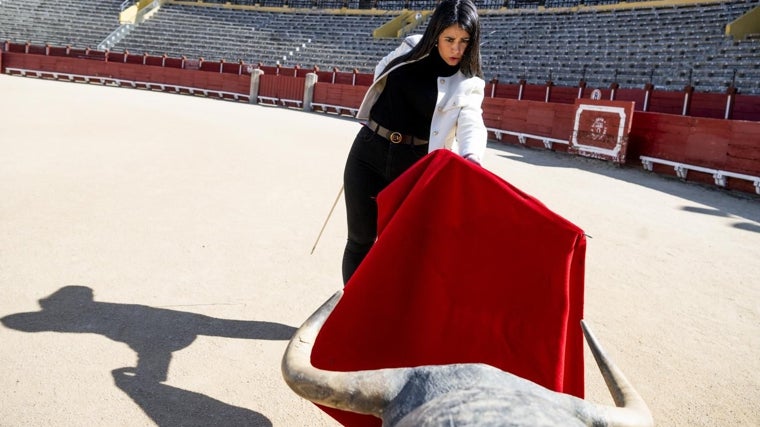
<point x="466" y="268"/>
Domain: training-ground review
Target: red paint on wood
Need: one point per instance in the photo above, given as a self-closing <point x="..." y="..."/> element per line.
<point x="706" y="142"/>
<point x="272" y="71"/>
<point x="364" y="79"/>
<point x="506" y="91"/>
<point x="746" y="107"/>
<point x="288" y="71"/>
<point x="324" y="76"/>
<point x="344" y="77"/>
<point x="534" y="93"/>
<point x="709" y="105"/>
<point x="635" y="95"/>
<point x="728" y="145"/>
<point x="347" y="96"/>
<point x="666" y="102"/>
<point x="564" y="94"/>
<point x="743" y="153"/>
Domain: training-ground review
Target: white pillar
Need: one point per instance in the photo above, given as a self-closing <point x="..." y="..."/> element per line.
<point x="253" y="95"/>
<point x="308" y="91"/>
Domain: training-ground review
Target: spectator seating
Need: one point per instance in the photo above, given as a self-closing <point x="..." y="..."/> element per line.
<point x="305" y="38"/>
<point x="68" y="22"/>
<point x="670" y="47"/>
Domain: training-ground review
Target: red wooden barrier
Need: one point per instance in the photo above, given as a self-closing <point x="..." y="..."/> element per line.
<point x="342" y="77"/>
<point x="635" y="95"/>
<point x="746" y="107"/>
<point x="302" y="72"/>
<point x="234" y="83"/>
<point x="743" y="153"/>
<point x="710" y="105"/>
<point x="666" y="102"/>
<point x="702" y="139"/>
<point x="116" y="56"/>
<point x="348" y="96"/>
<point x="289" y="71"/>
<point x="563" y="94"/>
<point x="173" y="63"/>
<point x="134" y="59"/>
<point x="534" y="93"/>
<point x="324" y="76"/>
<point x="730" y="145"/>
<point x="272" y="71"/>
<point x="156" y="61"/>
<point x="502" y="90"/>
<point x="282" y="88"/>
<point x="364" y="79"/>
<point x="15" y="47"/>
<point x="542" y="119"/>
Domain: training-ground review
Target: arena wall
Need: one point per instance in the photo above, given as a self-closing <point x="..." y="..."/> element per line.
<point x="697" y="137"/>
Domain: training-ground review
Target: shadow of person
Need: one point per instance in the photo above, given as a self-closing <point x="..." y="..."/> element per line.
<point x="153" y="333"/>
<point x="171" y="406"/>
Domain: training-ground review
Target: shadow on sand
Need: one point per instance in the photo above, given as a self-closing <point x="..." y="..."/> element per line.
<point x="154" y="334"/>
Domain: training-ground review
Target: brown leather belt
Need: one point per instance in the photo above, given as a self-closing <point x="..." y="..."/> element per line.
<point x="394" y="137"/>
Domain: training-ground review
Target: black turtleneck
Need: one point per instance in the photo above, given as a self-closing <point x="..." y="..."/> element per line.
<point x="408" y="100"/>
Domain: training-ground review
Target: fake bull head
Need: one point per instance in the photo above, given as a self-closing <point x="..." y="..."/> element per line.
<point x="468" y="394"/>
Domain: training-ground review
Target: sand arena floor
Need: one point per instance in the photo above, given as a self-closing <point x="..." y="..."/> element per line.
<point x="160" y="247"/>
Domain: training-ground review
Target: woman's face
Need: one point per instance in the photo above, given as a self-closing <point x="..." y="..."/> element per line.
<point x="452" y="43"/>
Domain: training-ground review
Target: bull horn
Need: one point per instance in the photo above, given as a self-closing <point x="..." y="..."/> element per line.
<point x="630" y="409"/>
<point x="364" y="392"/>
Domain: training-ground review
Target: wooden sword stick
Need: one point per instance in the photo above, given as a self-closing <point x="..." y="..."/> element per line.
<point x="327" y="219"/>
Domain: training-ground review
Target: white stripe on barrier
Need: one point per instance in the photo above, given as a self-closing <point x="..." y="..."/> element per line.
<point x="682" y="170"/>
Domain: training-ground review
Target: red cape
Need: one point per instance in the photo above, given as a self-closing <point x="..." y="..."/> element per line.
<point x="466" y="268"/>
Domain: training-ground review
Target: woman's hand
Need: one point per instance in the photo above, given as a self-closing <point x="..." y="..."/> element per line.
<point x="473" y="158"/>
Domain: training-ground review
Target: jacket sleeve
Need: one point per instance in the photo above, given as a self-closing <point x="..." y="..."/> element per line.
<point x="405" y="47"/>
<point x="471" y="133"/>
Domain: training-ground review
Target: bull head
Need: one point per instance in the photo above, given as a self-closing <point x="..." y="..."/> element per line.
<point x="468" y="394"/>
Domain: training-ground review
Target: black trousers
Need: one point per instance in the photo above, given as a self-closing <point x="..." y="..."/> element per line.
<point x="372" y="164"/>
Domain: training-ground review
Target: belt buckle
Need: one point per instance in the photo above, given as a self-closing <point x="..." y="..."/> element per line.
<point x="395" y="137"/>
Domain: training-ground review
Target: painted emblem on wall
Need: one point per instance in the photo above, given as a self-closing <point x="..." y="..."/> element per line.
<point x="601" y="128"/>
<point x="598" y="129"/>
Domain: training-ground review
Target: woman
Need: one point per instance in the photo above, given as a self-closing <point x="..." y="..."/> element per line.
<point x="426" y="96"/>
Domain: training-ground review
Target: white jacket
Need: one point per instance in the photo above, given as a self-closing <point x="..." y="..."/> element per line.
<point x="458" y="117"/>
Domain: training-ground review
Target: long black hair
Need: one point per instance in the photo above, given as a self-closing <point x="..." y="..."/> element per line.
<point x="463" y="13"/>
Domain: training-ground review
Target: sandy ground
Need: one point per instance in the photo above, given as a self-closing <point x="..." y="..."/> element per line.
<point x="155" y="258"/>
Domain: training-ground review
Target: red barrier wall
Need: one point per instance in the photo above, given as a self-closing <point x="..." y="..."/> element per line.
<point x="548" y="119"/>
<point x="711" y="105"/>
<point x="342" y="77"/>
<point x="97" y="66"/>
<point x="534" y="93"/>
<point x="702" y="139"/>
<point x="730" y="145"/>
<point x="284" y="88"/>
<point x="505" y="91"/>
<point x="746" y="107"/>
<point x="635" y="95"/>
<point x="339" y="94"/>
<point x="666" y="102"/>
<point x="563" y="94"/>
